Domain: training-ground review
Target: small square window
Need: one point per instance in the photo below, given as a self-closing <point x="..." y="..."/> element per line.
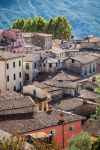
<point x="73" y="60"/>
<point x="44" y="65"/>
<point x="27" y="77"/>
<point x="7" y="65"/>
<point x="7" y="78"/>
<point x="20" y="84"/>
<point x="13" y="64"/>
<point x="34" y="92"/>
<point x="14" y="88"/>
<point x="35" y="65"/>
<point x="71" y="128"/>
<point x="27" y="65"/>
<point x="20" y="75"/>
<point x="19" y="63"/>
<point x="40" y="106"/>
<point x="50" y="65"/>
<point x="14" y="76"/>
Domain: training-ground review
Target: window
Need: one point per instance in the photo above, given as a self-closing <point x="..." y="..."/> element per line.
<point x="90" y="69"/>
<point x="14" y="76"/>
<point x="94" y="68"/>
<point x="7" y="78"/>
<point x="14" y="88"/>
<point x="35" y="65"/>
<point x="34" y="92"/>
<point x="40" y="106"/>
<point x="26" y="77"/>
<point x="7" y="66"/>
<point x="73" y="61"/>
<point x="27" y="65"/>
<point x="20" y="74"/>
<point x="44" y="65"/>
<point x="19" y="63"/>
<point x="45" y="108"/>
<point x="50" y="65"/>
<point x="20" y="85"/>
<point x="71" y="128"/>
<point x="13" y="64"/>
<point x="53" y="132"/>
<point x="56" y="64"/>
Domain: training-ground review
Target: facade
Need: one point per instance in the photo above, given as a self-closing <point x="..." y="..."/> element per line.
<point x="43" y="40"/>
<point x="11" y="71"/>
<point x="31" y="67"/>
<point x="62" y="126"/>
<point x="15" y="38"/>
<point x="84" y="65"/>
<point x="67" y="87"/>
<point x="44" y="94"/>
<point x="39" y="39"/>
<point x="90" y="42"/>
<point x="51" y="65"/>
<point x="13" y="103"/>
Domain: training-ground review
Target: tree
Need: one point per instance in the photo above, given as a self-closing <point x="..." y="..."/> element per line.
<point x="97" y="115"/>
<point x="50" y="28"/>
<point x="19" y="23"/>
<point x="40" y="145"/>
<point x="80" y="142"/>
<point x="60" y="28"/>
<point x="28" y="25"/>
<point x="96" y="145"/>
<point x="12" y="144"/>
<point x="39" y="24"/>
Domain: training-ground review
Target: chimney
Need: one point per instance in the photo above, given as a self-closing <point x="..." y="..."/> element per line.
<point x="61" y="118"/>
<point x="49" y="110"/>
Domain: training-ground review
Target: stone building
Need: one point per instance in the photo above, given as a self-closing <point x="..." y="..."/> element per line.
<point x="84" y="65"/>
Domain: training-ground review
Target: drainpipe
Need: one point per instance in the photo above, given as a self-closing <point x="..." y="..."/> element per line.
<point x="63" y="134"/>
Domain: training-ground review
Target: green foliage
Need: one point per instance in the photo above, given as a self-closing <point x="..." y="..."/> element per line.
<point x="39" y="24"/>
<point x="40" y="145"/>
<point x="97" y="115"/>
<point x="28" y="25"/>
<point x="58" y="26"/>
<point x="18" y="24"/>
<point x="98" y="112"/>
<point x="97" y="90"/>
<point x="96" y="145"/>
<point x="12" y="144"/>
<point x="80" y="142"/>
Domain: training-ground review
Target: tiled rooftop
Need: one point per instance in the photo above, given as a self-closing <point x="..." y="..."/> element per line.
<point x="92" y="39"/>
<point x="40" y="120"/>
<point x="89" y="95"/>
<point x="8" y="55"/>
<point x="60" y="84"/>
<point x="65" y="76"/>
<point x="42" y="34"/>
<point x="67" y="104"/>
<point x="92" y="127"/>
<point x="84" y="59"/>
<point x="31" y="57"/>
<point x="13" y="100"/>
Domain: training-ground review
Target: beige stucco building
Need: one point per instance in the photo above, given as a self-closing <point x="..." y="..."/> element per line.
<point x="11" y="71"/>
<point x="31" y="67"/>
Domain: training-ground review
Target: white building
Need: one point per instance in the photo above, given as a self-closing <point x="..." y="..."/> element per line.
<point x="51" y="65"/>
<point x="11" y="71"/>
<point x="31" y="67"/>
<point x="84" y="65"/>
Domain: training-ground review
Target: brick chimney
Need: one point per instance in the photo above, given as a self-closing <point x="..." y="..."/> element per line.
<point x="61" y="118"/>
<point x="49" y="110"/>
